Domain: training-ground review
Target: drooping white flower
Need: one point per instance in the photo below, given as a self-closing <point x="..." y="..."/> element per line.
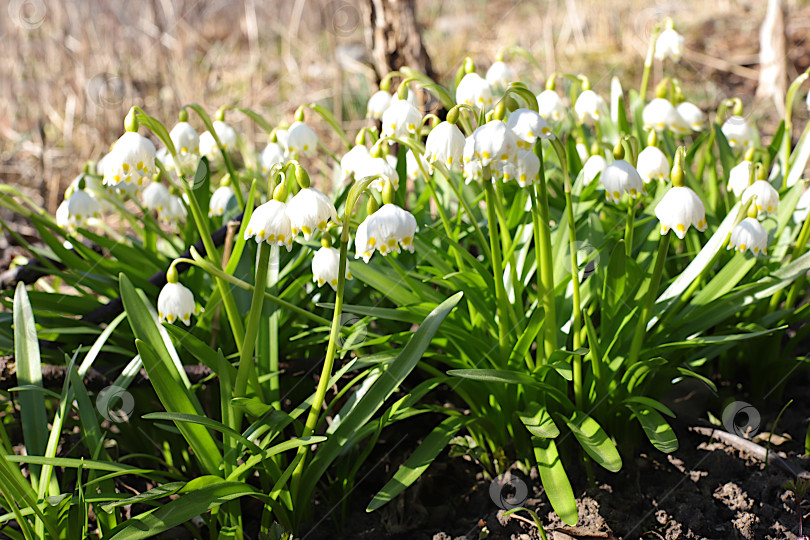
<point x="619" y="178"/>
<point x="680" y="209"/>
<point x="692" y="115"/>
<point x="326" y="265"/>
<point x="400" y="119"/>
<point x="273" y="154"/>
<point x="473" y="170"/>
<point x="378" y="167"/>
<point x="131" y="160"/>
<point x="525" y="168"/>
<point x="377" y="104"/>
<point x="550" y="106"/>
<point x="474" y="90"/>
<point x="301" y="138"/>
<point x="385" y="231"/>
<point x="61" y="215"/>
<point x="174" y="212"/>
<point x="80" y="208"/>
<point x="227" y="136"/>
<point x="155" y="196"/>
<point x="802" y="208"/>
<point x="660" y="114"/>
<point x="739" y="176"/>
<point x="738" y="132"/>
<point x="528" y="125"/>
<point x="353" y="159"/>
<point x="445" y="144"/>
<point x="219" y="200"/>
<point x="767" y="197"/>
<point x="594" y="165"/>
<point x="499" y="75"/>
<point x="652" y="164"/>
<point x="494" y="142"/>
<point x="308" y="210"/>
<point x="270" y="223"/>
<point x="590" y="105"/>
<point x="412" y="169"/>
<point x="749" y="234"/>
<point x="176" y="302"/>
<point x="186" y="142"/>
<point x="669" y="45"/>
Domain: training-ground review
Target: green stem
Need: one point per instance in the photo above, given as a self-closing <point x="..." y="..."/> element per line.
<point x="652" y="291"/>
<point x="577" y="314"/>
<point x="628" y="229"/>
<point x="648" y="62"/>
<point x="246" y="365"/>
<point x="546" y="268"/>
<point x="497" y="267"/>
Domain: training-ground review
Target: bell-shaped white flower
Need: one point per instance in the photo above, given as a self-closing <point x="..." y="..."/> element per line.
<point x="378" y="167"/>
<point x="377" y="104"/>
<point x="499" y="75"/>
<point x="80" y="208"/>
<point x="308" y="210"/>
<point x="669" y="45"/>
<point x="174" y="212"/>
<point x="619" y="178"/>
<point x="445" y="144"/>
<point x="767" y="197"/>
<point x="412" y="169"/>
<point x="590" y="105"/>
<point x="176" y="302"/>
<point x="528" y="125"/>
<point x="494" y="142"/>
<point x="400" y="119"/>
<point x="652" y="164"/>
<point x="227" y="136"/>
<point x="326" y="265"/>
<point x="680" y="209"/>
<point x="550" y="106"/>
<point x="749" y="234"/>
<point x="738" y="132"/>
<point x="61" y="215"/>
<point x="352" y="160"/>
<point x="131" y="160"/>
<point x="692" y="115"/>
<point x="301" y="138"/>
<point x="739" y="177"/>
<point x="219" y="200"/>
<point x="156" y="196"/>
<point x="593" y="166"/>
<point x="525" y="168"/>
<point x="660" y="114"/>
<point x="802" y="208"/>
<point x="186" y="142"/>
<point x="474" y="90"/>
<point x="473" y="170"/>
<point x="273" y="154"/>
<point x="270" y="223"/>
<point x="385" y="231"/>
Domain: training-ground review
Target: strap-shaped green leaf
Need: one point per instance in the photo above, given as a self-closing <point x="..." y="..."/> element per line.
<point x="594" y="441"/>
<point x="555" y="480"/>
<point x="655" y="427"/>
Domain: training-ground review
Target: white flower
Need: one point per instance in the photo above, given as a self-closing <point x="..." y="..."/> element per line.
<point x="131" y="160"/>
<point x="176" y="302"/>
<point x="582" y="151"/>
<point x="325" y="267"/>
<point x="353" y="160"/>
<point x="400" y="119"/>
<point x="528" y="125"/>
<point x="301" y="138"/>
<point x="660" y="114"/>
<point x="270" y="223"/>
<point x="445" y="143"/>
<point x="378" y="167"/>
<point x="308" y="210"/>
<point x="590" y="105"/>
<point x="499" y="75"/>
<point x="652" y="164"/>
<point x="80" y="208"/>
<point x="155" y="197"/>
<point x="473" y="170"/>
<point x="692" y="115"/>
<point x="412" y="167"/>
<point x="174" y="211"/>
<point x="473" y="90"/>
<point x="273" y="154"/>
<point x="550" y="106"/>
<point x="227" y="136"/>
<point x="61" y="215"/>
<point x="669" y="44"/>
<point x="620" y="177"/>
<point x="219" y="200"/>
<point x="494" y="141"/>
<point x="749" y="234"/>
<point x="525" y="168"/>
<point x="385" y="230"/>
<point x="594" y="166"/>
<point x="281" y="137"/>
<point x="802" y="208"/>
<point x="738" y="132"/>
<point x="767" y="197"/>
<point x="679" y="209"/>
<point x="377" y="104"/>
<point x="186" y="142"/>
<point x="738" y="177"/>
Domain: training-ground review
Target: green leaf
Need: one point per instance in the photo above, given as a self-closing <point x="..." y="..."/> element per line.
<point x="158" y="492"/>
<point x="594" y="441"/>
<point x="555" y="480"/>
<point x="418" y="461"/>
<point x="538" y="421"/>
<point x="726" y="154"/>
<point x="658" y="431"/>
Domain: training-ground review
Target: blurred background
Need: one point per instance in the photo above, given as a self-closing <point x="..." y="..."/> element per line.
<point x="71" y="69"/>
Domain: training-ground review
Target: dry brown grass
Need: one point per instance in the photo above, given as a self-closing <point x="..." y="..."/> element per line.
<point x="70" y="70"/>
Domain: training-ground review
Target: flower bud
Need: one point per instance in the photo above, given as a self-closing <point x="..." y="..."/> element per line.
<point x="131" y="121"/>
<point x="372" y="205"/>
<point x="182" y="116"/>
<point x="452" y="115"/>
<point x="299" y="114"/>
<point x="220" y="114"/>
<point x="301" y="176"/>
<point x="677" y="175"/>
<point x="281" y="192"/>
<point x="618" y="151"/>
<point x="500" y="111"/>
